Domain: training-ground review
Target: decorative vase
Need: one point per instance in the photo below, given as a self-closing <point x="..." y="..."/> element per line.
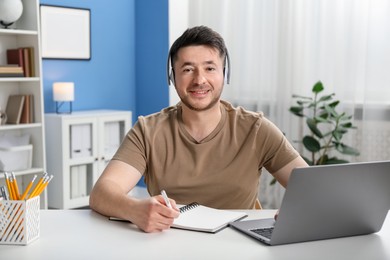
<point x="10" y="12"/>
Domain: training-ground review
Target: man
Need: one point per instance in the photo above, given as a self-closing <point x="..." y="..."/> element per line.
<point x="203" y="149"/>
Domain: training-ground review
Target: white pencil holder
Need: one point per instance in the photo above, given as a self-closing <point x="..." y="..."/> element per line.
<point x="19" y="221"/>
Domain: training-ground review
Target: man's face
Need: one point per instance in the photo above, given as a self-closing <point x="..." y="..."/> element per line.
<point x="199" y="79"/>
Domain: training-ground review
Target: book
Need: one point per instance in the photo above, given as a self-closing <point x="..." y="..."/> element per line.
<point x="196" y="217"/>
<point x="11" y="71"/>
<point x="14" y="108"/>
<point x="28" y="110"/>
<point x="16" y="56"/>
<point x="11" y="74"/>
<point x="23" y="57"/>
<point x="13" y="68"/>
<point x="32" y="61"/>
<point x="26" y="62"/>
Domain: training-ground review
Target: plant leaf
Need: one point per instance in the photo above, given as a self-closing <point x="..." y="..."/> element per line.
<point x="298" y="111"/>
<point x="331" y="111"/>
<point x="318" y="87"/>
<point x="304" y="102"/>
<point x="334" y="104"/>
<point x="345" y="149"/>
<point x="345" y="118"/>
<point x="312" y="124"/>
<point x="335" y="160"/>
<point x="311" y="144"/>
<point x="326" y="98"/>
<point x="346" y="125"/>
<point x="299" y="96"/>
<point x="320" y="119"/>
<point x="324" y="114"/>
<point x="337" y="135"/>
<point x="341" y="130"/>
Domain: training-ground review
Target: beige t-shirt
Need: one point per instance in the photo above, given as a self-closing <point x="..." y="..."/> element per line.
<point x="222" y="171"/>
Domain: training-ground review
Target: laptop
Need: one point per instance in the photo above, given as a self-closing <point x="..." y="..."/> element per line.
<point x="323" y="202"/>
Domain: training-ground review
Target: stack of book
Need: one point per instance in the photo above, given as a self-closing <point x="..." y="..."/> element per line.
<point x="24" y="58"/>
<point x="20" y="109"/>
<point x="11" y="71"/>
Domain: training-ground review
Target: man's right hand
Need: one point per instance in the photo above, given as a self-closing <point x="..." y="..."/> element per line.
<point x="152" y="215"/>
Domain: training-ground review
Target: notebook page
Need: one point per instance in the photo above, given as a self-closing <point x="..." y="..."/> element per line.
<point x="202" y="218"/>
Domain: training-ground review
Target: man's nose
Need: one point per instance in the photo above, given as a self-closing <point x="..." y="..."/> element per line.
<point x="199" y="77"/>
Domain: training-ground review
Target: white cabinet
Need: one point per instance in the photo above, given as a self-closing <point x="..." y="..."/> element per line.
<point x="25" y="33"/>
<point x="79" y="146"/>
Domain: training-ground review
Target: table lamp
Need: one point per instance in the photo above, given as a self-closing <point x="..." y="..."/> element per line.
<point x="63" y="92"/>
<point x="10" y="12"/>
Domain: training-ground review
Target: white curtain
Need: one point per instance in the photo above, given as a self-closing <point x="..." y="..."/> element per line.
<point x="279" y="48"/>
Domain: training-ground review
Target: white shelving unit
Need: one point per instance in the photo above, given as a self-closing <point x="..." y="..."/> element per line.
<point x="79" y="146"/>
<point x="25" y="33"/>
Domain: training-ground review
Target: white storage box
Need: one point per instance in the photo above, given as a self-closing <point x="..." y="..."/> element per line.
<point x="15" y="158"/>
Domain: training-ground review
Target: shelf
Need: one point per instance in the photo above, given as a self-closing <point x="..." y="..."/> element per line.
<point x="19" y="79"/>
<point x="20" y="126"/>
<point x="22" y="34"/>
<point x="26" y="172"/>
<point x="18" y="32"/>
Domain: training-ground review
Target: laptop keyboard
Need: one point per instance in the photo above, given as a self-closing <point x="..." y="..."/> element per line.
<point x="265" y="232"/>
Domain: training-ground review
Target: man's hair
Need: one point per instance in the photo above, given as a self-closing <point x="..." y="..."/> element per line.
<point x="195" y="36"/>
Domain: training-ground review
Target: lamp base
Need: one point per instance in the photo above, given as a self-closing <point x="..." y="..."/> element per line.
<point x="59" y="105"/>
<point x="6" y="25"/>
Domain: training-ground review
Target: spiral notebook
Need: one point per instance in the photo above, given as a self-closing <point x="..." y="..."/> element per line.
<point x="197" y="217"/>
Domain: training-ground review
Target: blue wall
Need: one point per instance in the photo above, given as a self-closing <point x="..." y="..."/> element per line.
<point x="129" y="44"/>
<point x="152" y="44"/>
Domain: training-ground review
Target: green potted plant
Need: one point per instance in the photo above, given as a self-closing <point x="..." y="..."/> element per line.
<point x="326" y="127"/>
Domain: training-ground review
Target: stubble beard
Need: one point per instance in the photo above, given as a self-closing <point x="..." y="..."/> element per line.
<point x="187" y="102"/>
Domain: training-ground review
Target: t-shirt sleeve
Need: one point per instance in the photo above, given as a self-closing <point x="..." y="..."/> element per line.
<point x="132" y="149"/>
<point x="276" y="150"/>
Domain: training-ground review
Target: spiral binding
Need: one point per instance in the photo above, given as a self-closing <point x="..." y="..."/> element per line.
<point x="189" y="207"/>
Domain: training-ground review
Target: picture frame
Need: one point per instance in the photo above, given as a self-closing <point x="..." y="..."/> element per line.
<point x="65" y="32"/>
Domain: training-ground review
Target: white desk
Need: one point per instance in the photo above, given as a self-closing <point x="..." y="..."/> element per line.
<point x="84" y="234"/>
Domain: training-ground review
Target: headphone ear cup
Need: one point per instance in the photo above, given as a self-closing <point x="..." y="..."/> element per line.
<point x="172" y="77"/>
<point x="226" y="69"/>
<point x="225" y="75"/>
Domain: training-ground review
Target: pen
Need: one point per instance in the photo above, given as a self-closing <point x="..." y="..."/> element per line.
<point x="167" y="202"/>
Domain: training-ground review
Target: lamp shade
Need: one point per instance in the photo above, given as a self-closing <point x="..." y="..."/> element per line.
<point x="63" y="91"/>
<point x="10" y="11"/>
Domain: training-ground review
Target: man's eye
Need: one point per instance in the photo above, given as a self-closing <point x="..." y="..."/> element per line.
<point x="211" y="69"/>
